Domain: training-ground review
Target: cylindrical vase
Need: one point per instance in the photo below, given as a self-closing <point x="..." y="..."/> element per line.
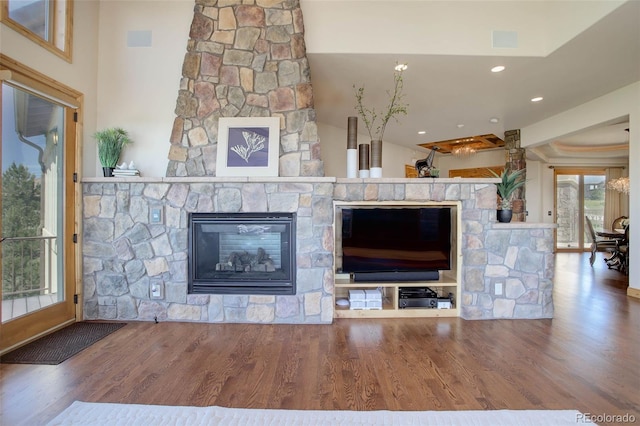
<point x="363" y="157"/>
<point x="352" y="147"/>
<point x="376" y="158"/>
<point x="352" y="163"/>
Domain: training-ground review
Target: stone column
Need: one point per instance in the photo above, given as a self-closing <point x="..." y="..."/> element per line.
<point x="245" y="60"/>
<point x="516" y="160"/>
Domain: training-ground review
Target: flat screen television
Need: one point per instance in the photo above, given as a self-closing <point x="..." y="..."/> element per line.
<point x="396" y="240"/>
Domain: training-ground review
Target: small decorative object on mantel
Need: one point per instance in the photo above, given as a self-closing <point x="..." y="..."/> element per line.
<point x="110" y="144"/>
<point x="376" y="159"/>
<point x="376" y="123"/>
<point x="510" y="181"/>
<point x="425" y="166"/>
<point x="352" y="147"/>
<point x="126" y="170"/>
<point x="363" y="160"/>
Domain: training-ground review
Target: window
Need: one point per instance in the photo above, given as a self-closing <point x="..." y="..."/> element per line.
<point x="46" y="22"/>
<point x="579" y="193"/>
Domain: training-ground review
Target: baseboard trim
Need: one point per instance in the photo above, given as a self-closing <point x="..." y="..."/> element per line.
<point x="633" y="292"/>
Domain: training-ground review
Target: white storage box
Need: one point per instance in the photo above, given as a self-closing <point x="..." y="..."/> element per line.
<point x="357" y="304"/>
<point x="373" y="304"/>
<point x="373" y="294"/>
<point x="356" y="295"/>
<point x="444" y="304"/>
<point x="357" y="299"/>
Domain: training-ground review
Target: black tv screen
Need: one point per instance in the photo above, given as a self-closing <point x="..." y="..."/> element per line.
<point x="396" y="239"/>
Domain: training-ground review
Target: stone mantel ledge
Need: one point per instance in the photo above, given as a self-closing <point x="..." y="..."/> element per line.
<point x="419" y="180"/>
<point x="208" y="179"/>
<point x="214" y="179"/>
<point x="524" y="225"/>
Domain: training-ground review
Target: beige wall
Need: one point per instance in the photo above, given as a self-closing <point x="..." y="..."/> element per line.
<point x="80" y="75"/>
<point x="138" y="86"/>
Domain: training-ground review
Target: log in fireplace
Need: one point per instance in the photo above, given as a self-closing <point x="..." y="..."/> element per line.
<point x="242" y="253"/>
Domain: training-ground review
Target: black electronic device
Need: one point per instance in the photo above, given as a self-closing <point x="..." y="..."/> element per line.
<point x="390" y="276"/>
<point x="417" y="297"/>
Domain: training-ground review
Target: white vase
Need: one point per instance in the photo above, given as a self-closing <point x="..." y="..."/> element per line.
<point x="352" y="163"/>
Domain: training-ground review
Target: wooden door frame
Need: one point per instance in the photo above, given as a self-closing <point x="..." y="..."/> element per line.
<point x="29" y="79"/>
<point x="572" y="171"/>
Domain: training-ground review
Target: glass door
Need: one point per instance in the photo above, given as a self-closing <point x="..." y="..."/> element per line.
<point x="579" y="193"/>
<point x="37" y="287"/>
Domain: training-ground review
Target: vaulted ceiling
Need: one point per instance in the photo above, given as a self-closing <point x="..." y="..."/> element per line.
<point x="452" y="97"/>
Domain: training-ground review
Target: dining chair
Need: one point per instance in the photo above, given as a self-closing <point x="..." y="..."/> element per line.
<point x="617" y="223"/>
<point x="598" y="243"/>
<point x="620" y="258"/>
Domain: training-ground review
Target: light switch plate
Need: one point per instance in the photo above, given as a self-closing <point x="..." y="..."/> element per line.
<point x="155" y="215"/>
<point x="156" y="290"/>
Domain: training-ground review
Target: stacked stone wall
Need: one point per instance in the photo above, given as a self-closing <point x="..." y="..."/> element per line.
<point x="245" y="59"/>
<point x="124" y="253"/>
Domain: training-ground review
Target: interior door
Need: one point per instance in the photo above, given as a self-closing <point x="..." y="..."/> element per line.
<point x="579" y="193"/>
<point x="38" y="269"/>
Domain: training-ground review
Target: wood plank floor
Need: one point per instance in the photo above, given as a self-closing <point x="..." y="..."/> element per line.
<point x="587" y="358"/>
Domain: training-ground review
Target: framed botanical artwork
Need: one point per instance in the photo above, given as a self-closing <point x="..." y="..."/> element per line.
<point x="248" y="146"/>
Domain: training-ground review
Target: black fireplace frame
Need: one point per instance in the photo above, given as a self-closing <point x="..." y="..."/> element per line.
<point x="236" y="284"/>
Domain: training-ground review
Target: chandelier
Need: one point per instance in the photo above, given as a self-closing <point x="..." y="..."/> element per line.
<point x="463" y="151"/>
<point x="619" y="184"/>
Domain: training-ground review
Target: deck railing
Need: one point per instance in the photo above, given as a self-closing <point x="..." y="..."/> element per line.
<point x="27" y="266"/>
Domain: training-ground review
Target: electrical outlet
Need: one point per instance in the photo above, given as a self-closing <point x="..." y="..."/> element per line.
<point x="498" y="288"/>
<point x="156" y="290"/>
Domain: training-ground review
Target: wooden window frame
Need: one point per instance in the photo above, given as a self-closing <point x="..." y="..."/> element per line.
<point x="52" y="46"/>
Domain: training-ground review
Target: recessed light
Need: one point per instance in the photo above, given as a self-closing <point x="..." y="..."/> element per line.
<point x="494" y="119"/>
<point x="537" y="99"/>
<point x="401" y="67"/>
<point x="459" y="126"/>
<point x="498" y="68"/>
<point x="422" y="132"/>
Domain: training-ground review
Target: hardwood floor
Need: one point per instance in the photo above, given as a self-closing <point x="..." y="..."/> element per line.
<point x="587" y="358"/>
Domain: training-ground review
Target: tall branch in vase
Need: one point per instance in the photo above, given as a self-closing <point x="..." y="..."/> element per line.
<point x="376" y="121"/>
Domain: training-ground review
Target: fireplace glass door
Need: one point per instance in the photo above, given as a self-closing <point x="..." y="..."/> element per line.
<point x="242" y="253"/>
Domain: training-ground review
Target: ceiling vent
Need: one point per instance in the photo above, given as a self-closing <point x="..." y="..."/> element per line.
<point x="504" y="39"/>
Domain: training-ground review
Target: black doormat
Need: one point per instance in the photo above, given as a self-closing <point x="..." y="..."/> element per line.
<point x="54" y="348"/>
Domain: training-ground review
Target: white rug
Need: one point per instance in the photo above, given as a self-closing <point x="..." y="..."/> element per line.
<point x="85" y="413"/>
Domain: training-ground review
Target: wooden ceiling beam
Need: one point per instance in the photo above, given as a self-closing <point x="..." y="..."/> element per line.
<point x="479" y="143"/>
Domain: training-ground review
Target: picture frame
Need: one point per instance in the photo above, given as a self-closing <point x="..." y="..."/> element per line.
<point x="248" y="146"/>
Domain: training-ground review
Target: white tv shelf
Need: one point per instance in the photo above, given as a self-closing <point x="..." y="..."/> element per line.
<point x="448" y="282"/>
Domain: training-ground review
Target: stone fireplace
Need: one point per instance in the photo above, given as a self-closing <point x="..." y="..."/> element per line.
<point x="249" y="60"/>
<point x="242" y="253"/>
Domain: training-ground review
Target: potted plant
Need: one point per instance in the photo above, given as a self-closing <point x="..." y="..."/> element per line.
<point x="110" y="144"/>
<point x="509" y="182"/>
<point x="376" y="121"/>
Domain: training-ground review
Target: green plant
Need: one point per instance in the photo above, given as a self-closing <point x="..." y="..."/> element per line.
<point x="372" y="117"/>
<point x="510" y="181"/>
<point x="110" y="144"/>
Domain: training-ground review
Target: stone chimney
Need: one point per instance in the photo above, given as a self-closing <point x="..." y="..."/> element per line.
<point x="245" y="60"/>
